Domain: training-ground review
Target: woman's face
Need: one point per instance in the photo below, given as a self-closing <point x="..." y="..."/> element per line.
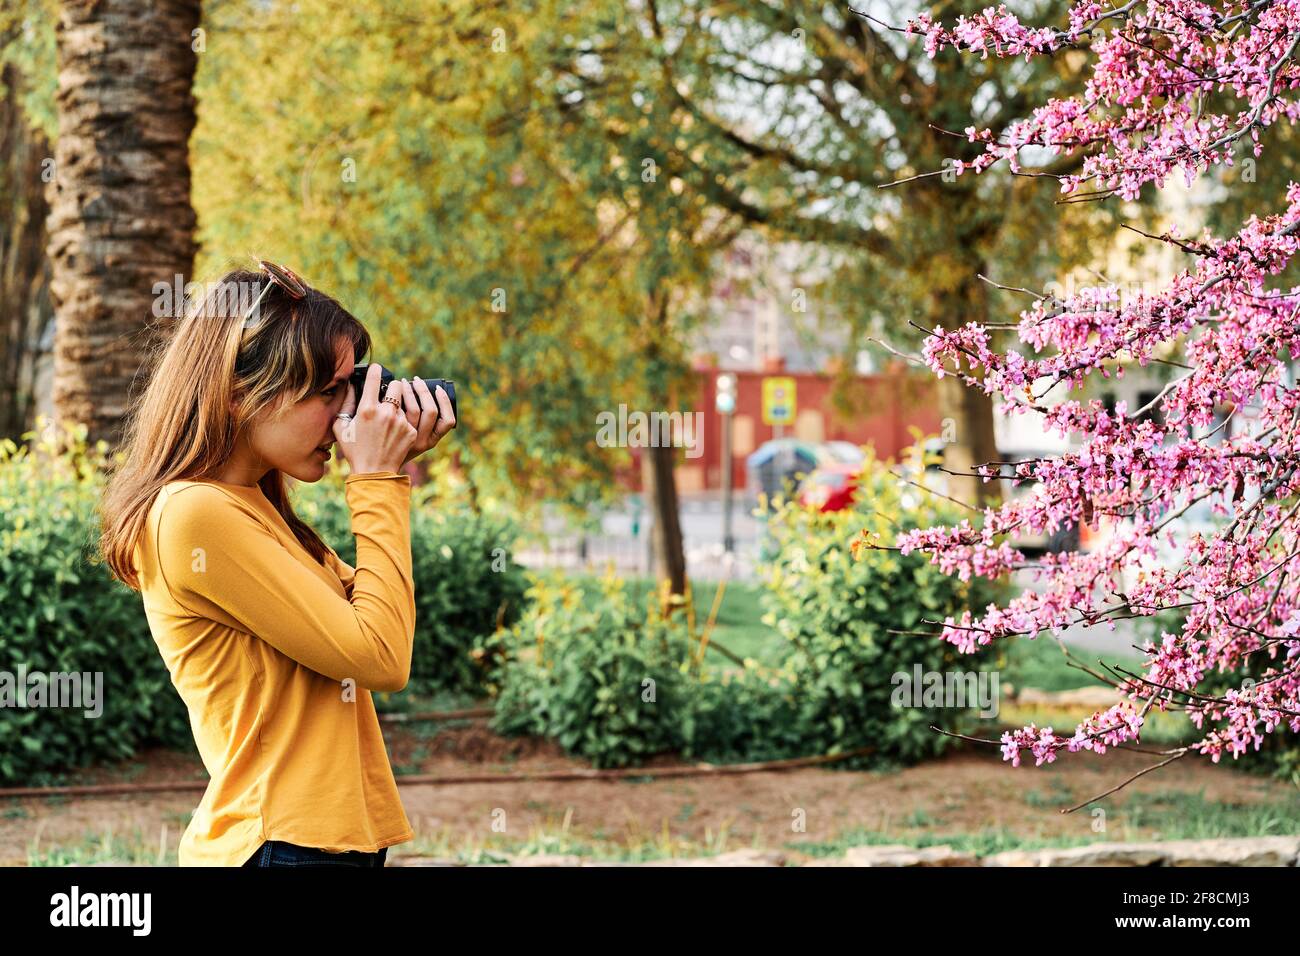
<point x="290" y="439"/>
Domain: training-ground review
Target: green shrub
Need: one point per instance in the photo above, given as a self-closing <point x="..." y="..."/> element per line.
<point x="573" y="667"/>
<point x="608" y="682"/>
<point x="575" y="670"/>
<point x="840" y="615"/>
<point x="742" y="716"/>
<point x="62" y="612"/>
<point x="467" y="583"/>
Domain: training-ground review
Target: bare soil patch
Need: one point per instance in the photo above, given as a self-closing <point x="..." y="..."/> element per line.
<point x="965" y="792"/>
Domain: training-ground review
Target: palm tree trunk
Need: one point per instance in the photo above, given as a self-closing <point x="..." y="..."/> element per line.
<point x="120" y="218"/>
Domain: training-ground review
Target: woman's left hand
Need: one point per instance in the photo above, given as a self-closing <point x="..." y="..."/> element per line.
<point x="425" y="410"/>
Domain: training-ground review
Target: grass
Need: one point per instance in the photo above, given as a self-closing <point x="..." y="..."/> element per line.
<point x="1182" y="815"/>
<point x="738" y="627"/>
<point x="109" y="848"/>
<point x="1042" y="664"/>
<point x="983" y="843"/>
<point x="1160" y="729"/>
<point x="136" y="850"/>
<point x="1039" y="664"/>
<point x="1163" y="815"/>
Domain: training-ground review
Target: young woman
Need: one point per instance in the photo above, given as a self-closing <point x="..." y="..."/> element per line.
<point x="273" y="642"/>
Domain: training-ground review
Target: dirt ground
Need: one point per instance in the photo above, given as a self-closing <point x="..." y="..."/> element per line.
<point x="963" y="793"/>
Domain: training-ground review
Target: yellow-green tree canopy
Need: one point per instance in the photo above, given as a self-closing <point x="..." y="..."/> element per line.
<point x="418" y="163"/>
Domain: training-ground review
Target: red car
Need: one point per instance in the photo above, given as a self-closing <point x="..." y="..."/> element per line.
<point x="834" y="485"/>
<point x="830" y="487"/>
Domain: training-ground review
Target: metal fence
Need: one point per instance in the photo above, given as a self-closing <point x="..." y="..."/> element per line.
<point x="623" y="541"/>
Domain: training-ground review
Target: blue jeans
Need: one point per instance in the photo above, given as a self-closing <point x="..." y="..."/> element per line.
<point x="279" y="853"/>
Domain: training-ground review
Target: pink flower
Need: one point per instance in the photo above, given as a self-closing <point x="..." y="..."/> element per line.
<point x="1174" y="87"/>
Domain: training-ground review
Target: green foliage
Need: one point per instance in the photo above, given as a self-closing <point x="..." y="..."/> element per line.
<point x="572" y="668"/>
<point x="1040" y="663"/>
<point x="787" y="119"/>
<point x="606" y="682"/>
<point x="467" y="583"/>
<point x="747" y="715"/>
<point x="842" y="614"/>
<point x="64" y="612"/>
<point x="27" y="41"/>
<point x="424" y="170"/>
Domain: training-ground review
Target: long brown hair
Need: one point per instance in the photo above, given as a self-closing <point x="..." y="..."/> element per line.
<point x="182" y="427"/>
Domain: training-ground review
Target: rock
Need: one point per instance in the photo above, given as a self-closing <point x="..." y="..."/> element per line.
<point x="546" y="859"/>
<point x="746" y="857"/>
<point x="1242" y="851"/>
<point x="409" y="860"/>
<point x="898" y="855"/>
<point x="109" y="863"/>
<point x="1096" y="854"/>
<point x="1233" y="851"/>
<point x="610" y="863"/>
<point x="1236" y="851"/>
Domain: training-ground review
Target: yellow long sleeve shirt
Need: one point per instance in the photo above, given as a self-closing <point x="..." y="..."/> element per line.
<point x="275" y="657"/>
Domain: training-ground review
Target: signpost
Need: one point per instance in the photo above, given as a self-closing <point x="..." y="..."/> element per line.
<point x="778" y="403"/>
<point x="726" y="405"/>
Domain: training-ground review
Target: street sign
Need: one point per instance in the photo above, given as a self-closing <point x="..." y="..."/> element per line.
<point x="778" y="401"/>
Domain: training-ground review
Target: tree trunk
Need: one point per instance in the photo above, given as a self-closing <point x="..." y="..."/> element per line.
<point x="25" y="312"/>
<point x="969" y="408"/>
<point x="120" y="218"/>
<point x="670" y="555"/>
<point x="657" y="472"/>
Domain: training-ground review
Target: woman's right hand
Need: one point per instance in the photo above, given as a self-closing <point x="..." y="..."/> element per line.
<point x="378" y="435"/>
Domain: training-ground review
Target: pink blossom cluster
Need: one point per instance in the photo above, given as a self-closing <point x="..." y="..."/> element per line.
<point x="992" y="28"/>
<point x="1145" y="113"/>
<point x="1109" y="728"/>
<point x="1248" y="716"/>
<point x="1042" y="743"/>
<point x="1154" y="61"/>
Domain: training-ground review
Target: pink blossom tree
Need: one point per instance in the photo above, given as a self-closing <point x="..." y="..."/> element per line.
<point x="1147" y="113"/>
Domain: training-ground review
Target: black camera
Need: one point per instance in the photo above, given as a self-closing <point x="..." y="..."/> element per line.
<point x="358" y="381"/>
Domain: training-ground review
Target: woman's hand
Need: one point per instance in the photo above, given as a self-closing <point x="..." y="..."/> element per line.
<point x="431" y="421"/>
<point x="377" y="436"/>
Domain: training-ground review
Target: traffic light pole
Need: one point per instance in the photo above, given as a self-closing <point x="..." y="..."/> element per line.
<point x="725" y="403"/>
<point x="728" y="542"/>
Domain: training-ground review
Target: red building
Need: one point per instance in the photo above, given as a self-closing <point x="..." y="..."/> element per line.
<point x="884" y="405"/>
